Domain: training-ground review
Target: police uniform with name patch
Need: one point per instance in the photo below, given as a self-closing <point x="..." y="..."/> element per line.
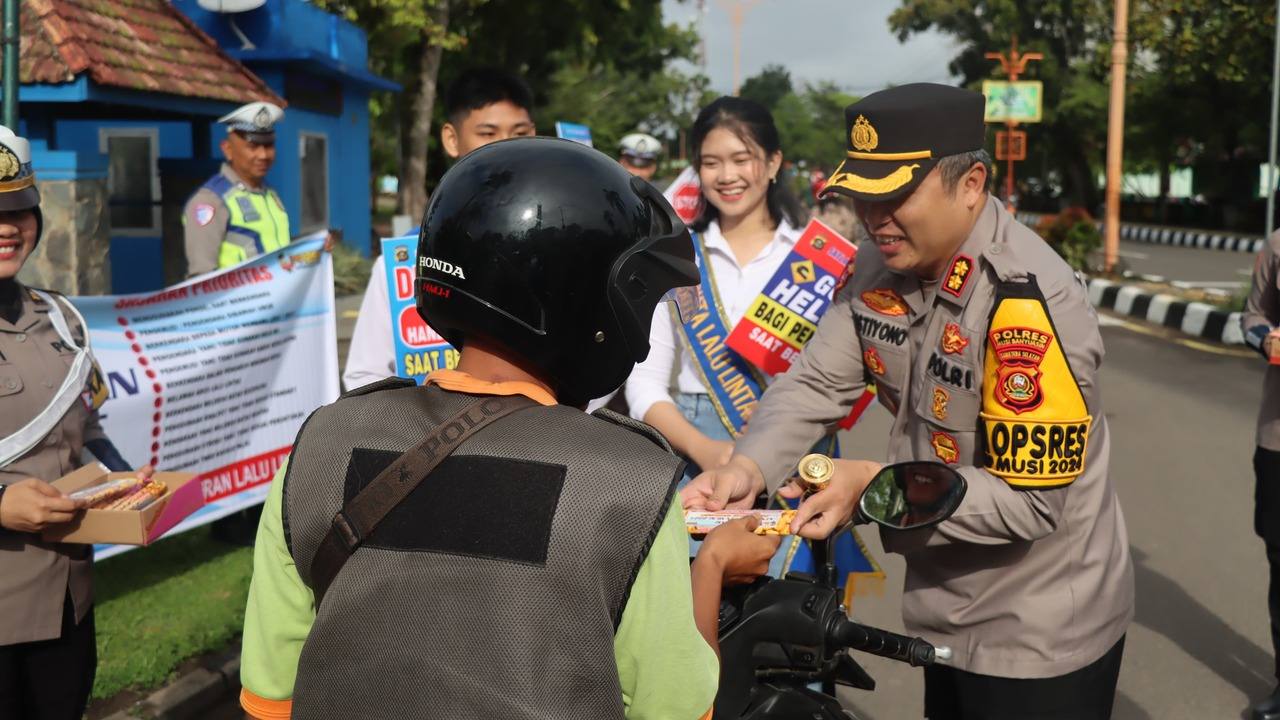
<point x="226" y="222"/>
<point x="993" y="370"/>
<point x="50" y="392"/>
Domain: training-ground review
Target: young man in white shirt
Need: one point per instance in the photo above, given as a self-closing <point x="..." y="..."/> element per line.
<point x="483" y="105"/>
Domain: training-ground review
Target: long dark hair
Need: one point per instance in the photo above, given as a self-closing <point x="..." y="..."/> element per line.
<point x="752" y="122"/>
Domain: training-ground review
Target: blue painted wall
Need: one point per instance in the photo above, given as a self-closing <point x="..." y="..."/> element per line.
<point x="292" y="36"/>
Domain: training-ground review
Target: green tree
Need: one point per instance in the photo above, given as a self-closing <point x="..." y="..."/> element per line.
<point x="1073" y="35"/>
<point x="1194" y="95"/>
<point x="423" y="44"/>
<point x="769" y="87"/>
<point x="811" y="124"/>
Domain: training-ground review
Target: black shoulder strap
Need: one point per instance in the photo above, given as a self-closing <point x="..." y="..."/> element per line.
<point x="358" y="518"/>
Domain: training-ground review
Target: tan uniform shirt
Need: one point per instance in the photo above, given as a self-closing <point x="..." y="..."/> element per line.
<point x="1261" y="316"/>
<point x="35" y="576"/>
<point x="1020" y="583"/>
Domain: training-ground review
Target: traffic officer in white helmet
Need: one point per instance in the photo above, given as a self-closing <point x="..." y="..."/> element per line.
<point x="639" y="153"/>
<point x="235" y="215"/>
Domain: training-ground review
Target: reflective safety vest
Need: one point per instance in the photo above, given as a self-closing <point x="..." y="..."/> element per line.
<point x="258" y="223"/>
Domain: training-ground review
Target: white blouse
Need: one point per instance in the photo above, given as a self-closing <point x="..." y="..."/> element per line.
<point x="738" y="285"/>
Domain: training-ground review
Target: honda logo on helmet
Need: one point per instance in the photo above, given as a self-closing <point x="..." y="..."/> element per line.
<point x="447" y="268"/>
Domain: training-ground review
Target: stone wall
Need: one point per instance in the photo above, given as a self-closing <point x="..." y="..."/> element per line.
<point x="72" y="255"/>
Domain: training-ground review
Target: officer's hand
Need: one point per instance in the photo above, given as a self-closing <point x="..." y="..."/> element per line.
<point x="710" y="454"/>
<point x="734" y="485"/>
<point x="31" y="505"/>
<point x="144" y="473"/>
<point x="737" y="553"/>
<point x="830" y="509"/>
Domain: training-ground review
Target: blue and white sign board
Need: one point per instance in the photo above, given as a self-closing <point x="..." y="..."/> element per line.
<point x="574" y="131"/>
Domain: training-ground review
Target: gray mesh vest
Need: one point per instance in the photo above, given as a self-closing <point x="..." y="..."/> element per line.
<point x="495" y="589"/>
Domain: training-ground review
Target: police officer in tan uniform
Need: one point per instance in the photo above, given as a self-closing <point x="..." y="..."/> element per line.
<point x="1261" y="325"/>
<point x="982" y="344"/>
<point x="50" y="391"/>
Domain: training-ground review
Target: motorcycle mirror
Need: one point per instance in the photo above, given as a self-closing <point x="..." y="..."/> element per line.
<point x="912" y="495"/>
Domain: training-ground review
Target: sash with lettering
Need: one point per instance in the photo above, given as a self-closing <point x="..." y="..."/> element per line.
<point x="733" y="386"/>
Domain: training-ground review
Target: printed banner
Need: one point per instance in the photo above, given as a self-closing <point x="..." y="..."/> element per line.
<point x="216" y="375"/>
<point x="419" y="350"/>
<point x="785" y="314"/>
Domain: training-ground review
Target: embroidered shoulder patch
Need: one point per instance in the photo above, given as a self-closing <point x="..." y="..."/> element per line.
<point x="872" y="360"/>
<point x="202" y="214"/>
<point x="958" y="275"/>
<point x="953" y="341"/>
<point x="945" y="447"/>
<point x="885" y="302"/>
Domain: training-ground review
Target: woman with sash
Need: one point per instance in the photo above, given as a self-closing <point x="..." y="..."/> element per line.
<point x="747" y="225"/>
<point x="50" y="391"/>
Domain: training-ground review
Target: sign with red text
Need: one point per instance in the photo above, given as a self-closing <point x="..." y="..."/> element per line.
<point x="419" y="349"/>
<point x="785" y="315"/>
<point x="215" y="375"/>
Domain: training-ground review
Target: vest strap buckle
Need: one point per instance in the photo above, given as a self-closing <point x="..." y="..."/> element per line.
<point x="346" y="532"/>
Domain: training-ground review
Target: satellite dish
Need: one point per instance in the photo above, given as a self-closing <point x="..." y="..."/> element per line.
<point x="230" y="6"/>
<point x="227" y="7"/>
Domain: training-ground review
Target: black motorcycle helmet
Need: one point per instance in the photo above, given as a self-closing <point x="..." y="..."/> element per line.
<point x="552" y="251"/>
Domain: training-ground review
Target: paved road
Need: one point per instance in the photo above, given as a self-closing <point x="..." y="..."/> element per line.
<point x="1182" y="434"/>
<point x="1213" y="268"/>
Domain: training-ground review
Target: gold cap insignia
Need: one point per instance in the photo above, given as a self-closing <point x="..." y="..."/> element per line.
<point x="9" y="165"/>
<point x="864" y="136"/>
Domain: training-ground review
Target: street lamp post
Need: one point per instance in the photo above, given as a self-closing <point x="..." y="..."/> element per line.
<point x="1275" y="111"/>
<point x="1115" y="134"/>
<point x="11" y="64"/>
<point x="737" y="15"/>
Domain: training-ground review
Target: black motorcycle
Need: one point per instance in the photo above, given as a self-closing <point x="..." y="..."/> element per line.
<point x="777" y="637"/>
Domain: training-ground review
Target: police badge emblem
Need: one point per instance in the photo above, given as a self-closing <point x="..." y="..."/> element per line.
<point x="1019" y="350"/>
<point x="940" y="400"/>
<point x="402" y="253"/>
<point x="863" y="136"/>
<point x="262" y="119"/>
<point x="203" y="214"/>
<point x="885" y="302"/>
<point x="953" y="341"/>
<point x="9" y="165"/>
<point x="945" y="447"/>
<point x="872" y="360"/>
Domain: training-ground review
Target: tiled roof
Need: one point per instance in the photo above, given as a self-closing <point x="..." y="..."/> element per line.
<point x="144" y="45"/>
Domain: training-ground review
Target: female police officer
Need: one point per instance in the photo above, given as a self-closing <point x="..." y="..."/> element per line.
<point x="50" y="390"/>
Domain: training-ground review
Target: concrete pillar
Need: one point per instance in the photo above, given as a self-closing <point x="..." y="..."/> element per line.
<point x="72" y="256"/>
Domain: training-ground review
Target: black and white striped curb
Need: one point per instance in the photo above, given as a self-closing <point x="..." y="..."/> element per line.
<point x="1173" y="236"/>
<point x="1193" y="318"/>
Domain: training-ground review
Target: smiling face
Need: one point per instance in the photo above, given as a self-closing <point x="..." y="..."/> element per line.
<point x="251" y="159"/>
<point x="735" y="173"/>
<point x="920" y="231"/>
<point x="17" y="240"/>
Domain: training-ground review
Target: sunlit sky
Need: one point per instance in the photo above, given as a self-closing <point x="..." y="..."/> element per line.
<point x="844" y="41"/>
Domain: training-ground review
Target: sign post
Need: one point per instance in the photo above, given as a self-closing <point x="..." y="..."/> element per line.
<point x="1012" y="102"/>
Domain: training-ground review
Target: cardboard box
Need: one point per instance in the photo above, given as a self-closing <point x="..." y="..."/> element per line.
<point x="126" y="527"/>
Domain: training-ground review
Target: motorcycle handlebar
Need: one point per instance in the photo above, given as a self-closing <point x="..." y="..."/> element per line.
<point x="915" y="651"/>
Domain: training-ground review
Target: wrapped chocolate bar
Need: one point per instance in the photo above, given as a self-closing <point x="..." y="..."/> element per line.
<point x="772" y="522"/>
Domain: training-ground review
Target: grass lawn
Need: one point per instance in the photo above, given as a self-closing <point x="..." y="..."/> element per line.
<point x="158" y="606"/>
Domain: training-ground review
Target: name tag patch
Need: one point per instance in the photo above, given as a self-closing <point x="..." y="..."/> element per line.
<point x="874" y="329"/>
